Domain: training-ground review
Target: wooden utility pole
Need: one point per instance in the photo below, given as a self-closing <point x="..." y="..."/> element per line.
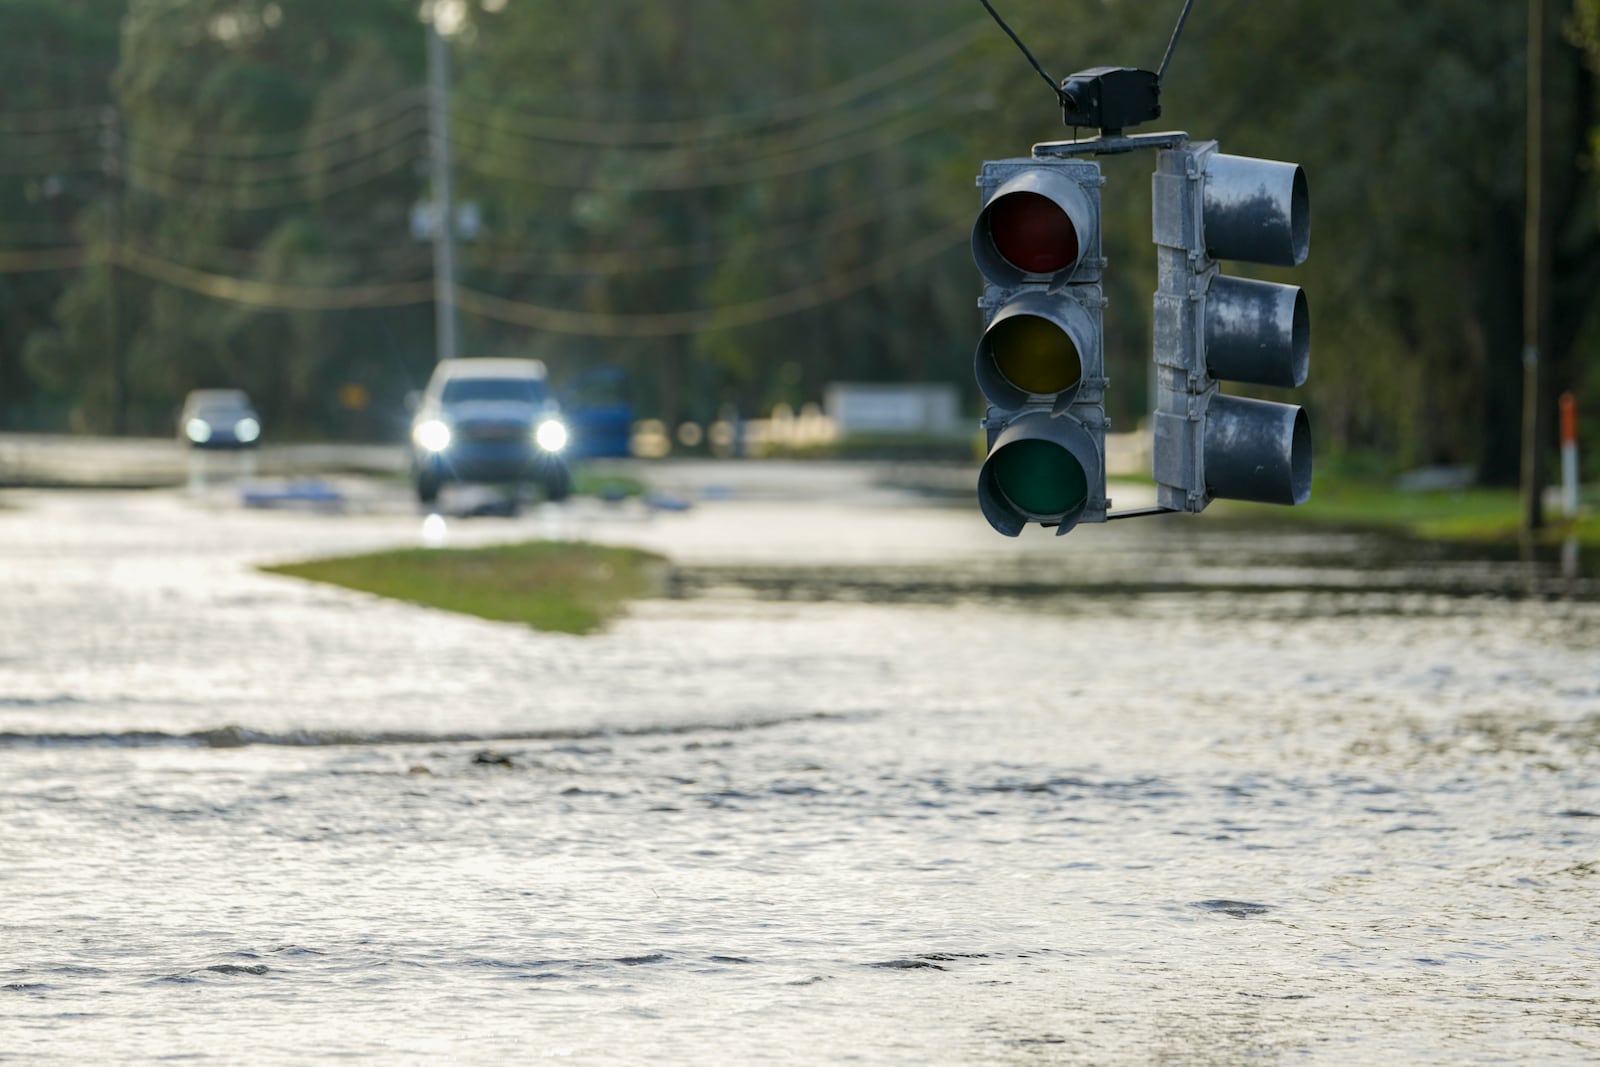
<point x="1535" y="274"/>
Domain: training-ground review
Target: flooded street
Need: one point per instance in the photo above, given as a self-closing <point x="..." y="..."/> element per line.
<point x="874" y="785"/>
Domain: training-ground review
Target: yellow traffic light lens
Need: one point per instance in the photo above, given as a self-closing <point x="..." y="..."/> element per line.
<point x="1040" y="478"/>
<point x="1033" y="233"/>
<point x="1035" y="355"/>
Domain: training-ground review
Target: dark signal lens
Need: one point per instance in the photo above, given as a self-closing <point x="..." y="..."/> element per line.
<point x="1033" y="234"/>
<point x="1035" y="355"/>
<point x="1040" y="478"/>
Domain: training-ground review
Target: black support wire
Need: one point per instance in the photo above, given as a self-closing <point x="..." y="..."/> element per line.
<point x="1054" y="88"/>
<point x="1183" y="16"/>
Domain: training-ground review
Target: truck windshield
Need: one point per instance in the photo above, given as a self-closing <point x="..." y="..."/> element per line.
<point x="522" y="390"/>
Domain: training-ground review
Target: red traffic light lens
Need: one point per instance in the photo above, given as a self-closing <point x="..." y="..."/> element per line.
<point x="1033" y="233"/>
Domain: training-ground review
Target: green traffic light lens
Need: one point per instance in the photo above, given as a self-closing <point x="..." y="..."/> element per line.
<point x="1033" y="233"/>
<point x="1040" y="478"/>
<point x="1035" y="355"/>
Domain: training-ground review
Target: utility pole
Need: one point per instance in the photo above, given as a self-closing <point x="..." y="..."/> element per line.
<point x="116" y="356"/>
<point x="1535" y="275"/>
<point x="444" y="223"/>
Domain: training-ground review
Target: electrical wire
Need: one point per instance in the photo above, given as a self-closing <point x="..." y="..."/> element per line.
<point x="473" y="131"/>
<point x="273" y="295"/>
<point x="515" y="259"/>
<point x="729" y="316"/>
<point x="613" y="133"/>
<point x="1183" y="16"/>
<point x="1054" y="88"/>
<point x="312" y="187"/>
<point x="28" y="261"/>
<point x="291" y="142"/>
<point x="288" y="297"/>
<point x="679" y="171"/>
<point x="180" y="164"/>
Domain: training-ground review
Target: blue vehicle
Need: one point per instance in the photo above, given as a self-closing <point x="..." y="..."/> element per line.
<point x="599" y="414"/>
<point x="489" y="421"/>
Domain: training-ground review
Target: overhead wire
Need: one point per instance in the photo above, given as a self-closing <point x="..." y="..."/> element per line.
<point x="861" y="130"/>
<point x="282" y="296"/>
<point x="863" y="211"/>
<point x="727" y="316"/>
<point x="474" y="132"/>
<point x="310" y="187"/>
<point x="623" y="133"/>
<point x="679" y="173"/>
<point x="31" y="260"/>
<point x="279" y="296"/>
<point x="406" y="126"/>
<point x="282" y="142"/>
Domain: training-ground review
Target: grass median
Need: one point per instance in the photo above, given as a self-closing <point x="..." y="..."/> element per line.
<point x="562" y="586"/>
<point x="1483" y="516"/>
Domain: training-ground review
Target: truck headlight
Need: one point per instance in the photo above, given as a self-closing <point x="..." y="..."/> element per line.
<point x="551" y="435"/>
<point x="431" y="436"/>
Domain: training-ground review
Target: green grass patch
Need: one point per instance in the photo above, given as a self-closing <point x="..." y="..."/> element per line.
<point x="607" y="485"/>
<point x="561" y="586"/>
<point x="1479" y="515"/>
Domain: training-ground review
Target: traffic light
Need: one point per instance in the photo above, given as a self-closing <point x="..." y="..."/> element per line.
<point x="1039" y="363"/>
<point x="1207" y="206"/>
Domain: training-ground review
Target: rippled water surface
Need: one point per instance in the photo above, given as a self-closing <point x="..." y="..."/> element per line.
<point x="1179" y="795"/>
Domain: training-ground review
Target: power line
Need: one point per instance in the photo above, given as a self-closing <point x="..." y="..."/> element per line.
<point x="729" y="316"/>
<point x="277" y="296"/>
<point x="311" y="187"/>
<point x="613" y="133"/>
<point x="298" y="141"/>
<point x="377" y="140"/>
<point x="28" y="261"/>
<point x="862" y="212"/>
<point x="679" y="172"/>
<point x="282" y="296"/>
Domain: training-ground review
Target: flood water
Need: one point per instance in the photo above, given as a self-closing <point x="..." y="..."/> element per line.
<point x="876" y="787"/>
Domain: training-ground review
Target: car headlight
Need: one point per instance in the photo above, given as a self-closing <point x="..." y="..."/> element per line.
<point x="246" y="430"/>
<point x="432" y="436"/>
<point x="551" y="435"/>
<point x="197" y="430"/>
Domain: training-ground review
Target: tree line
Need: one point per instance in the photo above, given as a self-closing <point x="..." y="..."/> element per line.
<point x="739" y="203"/>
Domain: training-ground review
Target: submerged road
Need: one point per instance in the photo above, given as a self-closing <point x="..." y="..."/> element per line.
<point x="876" y="785"/>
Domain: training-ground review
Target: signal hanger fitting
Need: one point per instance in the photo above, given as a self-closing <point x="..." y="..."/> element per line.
<point x="1110" y="98"/>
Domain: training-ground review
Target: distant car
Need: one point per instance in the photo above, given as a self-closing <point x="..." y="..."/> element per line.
<point x="490" y="421"/>
<point x="219" y="418"/>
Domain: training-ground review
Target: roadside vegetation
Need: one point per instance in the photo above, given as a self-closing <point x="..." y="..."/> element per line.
<point x="1478" y="515"/>
<point x="561" y="586"/>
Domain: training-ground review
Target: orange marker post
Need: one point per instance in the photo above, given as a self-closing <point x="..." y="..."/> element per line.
<point x="1569" y="454"/>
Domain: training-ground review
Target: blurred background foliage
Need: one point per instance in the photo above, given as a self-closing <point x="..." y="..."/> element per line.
<point x="741" y="202"/>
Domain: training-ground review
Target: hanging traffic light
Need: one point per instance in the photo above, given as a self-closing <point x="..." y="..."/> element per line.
<point x="1208" y="327"/>
<point x="1039" y="363"/>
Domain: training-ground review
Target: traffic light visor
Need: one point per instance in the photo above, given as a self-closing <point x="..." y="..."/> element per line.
<point x="1037" y="346"/>
<point x="1037" y="226"/>
<point x="1040" y="478"/>
<point x="1041" y="468"/>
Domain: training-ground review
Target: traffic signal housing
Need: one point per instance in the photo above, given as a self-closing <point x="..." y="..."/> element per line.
<point x="1040" y="362"/>
<point x="1208" y="327"/>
